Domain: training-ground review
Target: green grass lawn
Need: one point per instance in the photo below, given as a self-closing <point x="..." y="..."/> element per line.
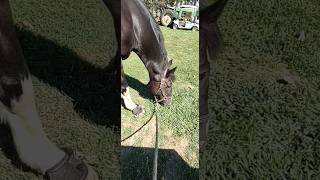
<point x="67" y="44"/>
<point x="263" y="128"/>
<point x="178" y="157"/>
<point x="265" y="93"/>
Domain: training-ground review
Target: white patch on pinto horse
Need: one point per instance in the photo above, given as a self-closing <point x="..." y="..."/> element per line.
<point x="128" y="103"/>
<point x="32" y="145"/>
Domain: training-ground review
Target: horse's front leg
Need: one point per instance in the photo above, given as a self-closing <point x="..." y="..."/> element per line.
<point x="210" y="41"/>
<point x="204" y="109"/>
<point x="18" y="110"/>
<point x="125" y="95"/>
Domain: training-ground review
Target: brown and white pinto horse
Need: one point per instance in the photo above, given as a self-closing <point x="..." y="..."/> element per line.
<point x="18" y="111"/>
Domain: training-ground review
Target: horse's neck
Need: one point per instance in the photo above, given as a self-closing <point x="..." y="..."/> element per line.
<point x="149" y="44"/>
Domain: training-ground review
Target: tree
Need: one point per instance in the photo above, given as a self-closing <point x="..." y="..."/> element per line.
<point x="158" y="4"/>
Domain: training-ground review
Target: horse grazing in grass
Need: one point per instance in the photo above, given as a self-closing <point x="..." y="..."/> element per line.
<point x="210" y="42"/>
<point x="141" y="34"/>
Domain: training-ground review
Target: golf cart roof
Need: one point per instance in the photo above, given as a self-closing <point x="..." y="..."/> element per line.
<point x="188" y="6"/>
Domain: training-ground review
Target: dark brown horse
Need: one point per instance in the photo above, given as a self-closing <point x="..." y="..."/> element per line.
<point x="210" y="42"/>
<point x="141" y="34"/>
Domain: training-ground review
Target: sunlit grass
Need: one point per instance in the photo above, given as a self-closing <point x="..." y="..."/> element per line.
<point x="180" y="119"/>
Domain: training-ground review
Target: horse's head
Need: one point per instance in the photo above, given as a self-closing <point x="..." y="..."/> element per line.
<point x="161" y="85"/>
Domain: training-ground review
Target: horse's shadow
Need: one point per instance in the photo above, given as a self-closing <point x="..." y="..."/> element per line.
<point x="94" y="90"/>
<point x="137" y="163"/>
<point x="144" y="90"/>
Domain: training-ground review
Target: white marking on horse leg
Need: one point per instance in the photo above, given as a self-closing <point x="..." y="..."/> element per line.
<point x="32" y="144"/>
<point x="128" y="103"/>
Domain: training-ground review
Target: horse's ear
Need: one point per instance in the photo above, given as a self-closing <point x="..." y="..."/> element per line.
<point x="170" y="74"/>
<point x="171" y="71"/>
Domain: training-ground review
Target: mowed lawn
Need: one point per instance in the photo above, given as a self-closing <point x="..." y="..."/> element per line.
<point x="265" y="93"/>
<point x="67" y="44"/>
<point x="178" y="134"/>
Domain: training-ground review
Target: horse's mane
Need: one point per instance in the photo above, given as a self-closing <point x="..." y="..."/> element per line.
<point x="154" y="26"/>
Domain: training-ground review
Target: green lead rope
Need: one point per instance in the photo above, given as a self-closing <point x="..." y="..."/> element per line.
<point x="156" y="145"/>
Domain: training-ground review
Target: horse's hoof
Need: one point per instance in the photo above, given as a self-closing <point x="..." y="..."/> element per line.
<point x="202" y="145"/>
<point x="137" y="111"/>
<point x="71" y="167"/>
<point x="92" y="175"/>
<point x="203" y="128"/>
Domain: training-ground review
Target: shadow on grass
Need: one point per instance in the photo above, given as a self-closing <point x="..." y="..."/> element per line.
<point x="92" y="89"/>
<point x="137" y="163"/>
<point x="144" y="90"/>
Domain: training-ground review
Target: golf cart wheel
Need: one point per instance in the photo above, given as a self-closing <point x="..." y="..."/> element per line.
<point x="167" y="18"/>
<point x="194" y="28"/>
<point x="175" y="26"/>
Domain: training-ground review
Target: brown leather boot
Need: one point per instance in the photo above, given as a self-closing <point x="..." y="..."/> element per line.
<point x="71" y="167"/>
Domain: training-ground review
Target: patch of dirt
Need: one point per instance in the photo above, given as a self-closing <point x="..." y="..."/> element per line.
<point x="146" y="138"/>
<point x="143" y="138"/>
<point x="187" y="86"/>
<point x="283" y="75"/>
<point x="148" y="134"/>
<point x="180" y="144"/>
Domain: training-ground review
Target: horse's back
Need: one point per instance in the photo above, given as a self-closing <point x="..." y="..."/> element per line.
<point x="131" y="26"/>
<point x="140" y="33"/>
<point x="127" y="31"/>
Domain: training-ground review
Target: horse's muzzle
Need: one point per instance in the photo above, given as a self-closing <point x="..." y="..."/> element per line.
<point x="165" y="102"/>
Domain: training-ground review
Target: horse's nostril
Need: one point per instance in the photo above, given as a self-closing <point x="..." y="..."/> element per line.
<point x="166" y="102"/>
<point x="158" y="97"/>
